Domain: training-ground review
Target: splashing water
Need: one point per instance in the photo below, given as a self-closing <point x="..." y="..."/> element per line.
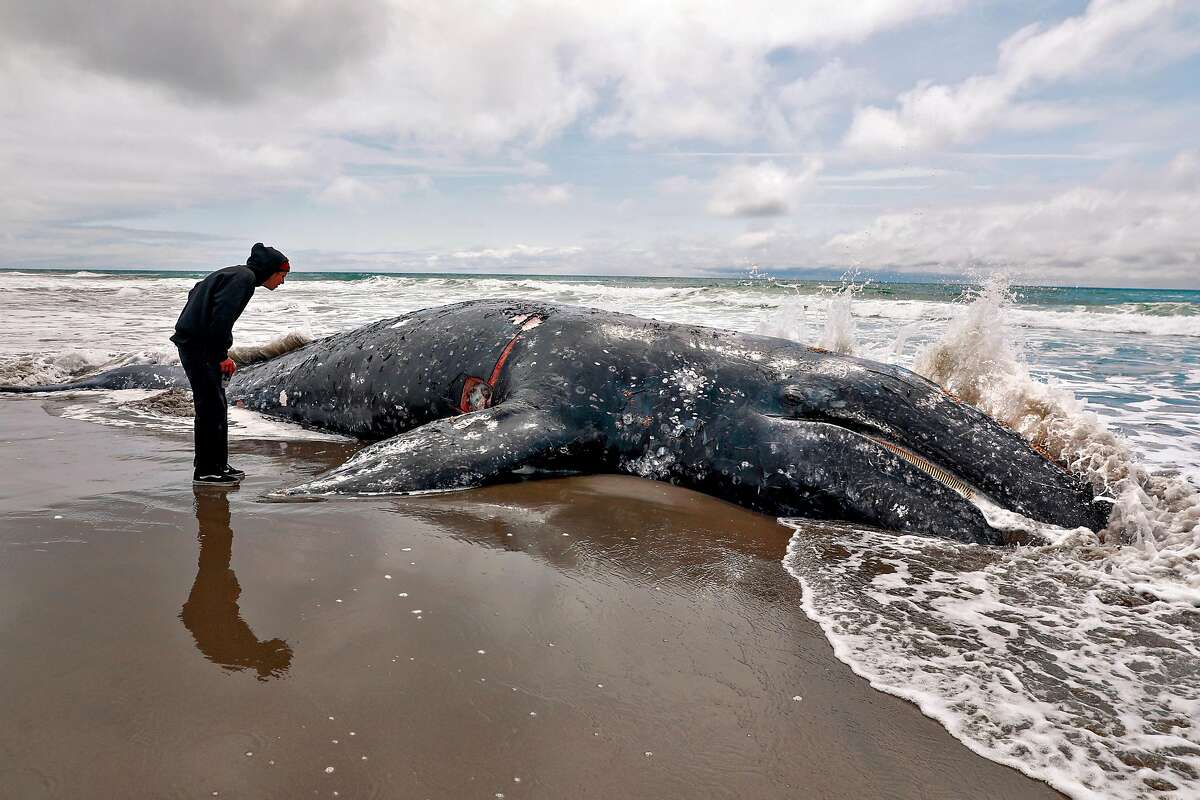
<point x="904" y="333"/>
<point x="1156" y="514"/>
<point x="839" y="333"/>
<point x="1078" y="662"/>
<point x="790" y="319"/>
<point x="977" y="361"/>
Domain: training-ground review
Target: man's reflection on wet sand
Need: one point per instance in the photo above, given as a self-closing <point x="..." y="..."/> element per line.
<point x="211" y="612"/>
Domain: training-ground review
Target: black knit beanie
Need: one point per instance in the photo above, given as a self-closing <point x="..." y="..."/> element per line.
<point x="265" y="261"/>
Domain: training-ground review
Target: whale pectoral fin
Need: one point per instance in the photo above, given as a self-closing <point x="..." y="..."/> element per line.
<point x="456" y="453"/>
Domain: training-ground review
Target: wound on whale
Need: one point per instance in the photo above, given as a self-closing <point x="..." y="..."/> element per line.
<point x="497" y="390"/>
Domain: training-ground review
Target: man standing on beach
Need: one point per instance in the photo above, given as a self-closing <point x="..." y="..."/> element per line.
<point x="204" y="334"/>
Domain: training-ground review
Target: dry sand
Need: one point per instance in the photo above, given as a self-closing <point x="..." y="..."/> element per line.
<point x="585" y="637"/>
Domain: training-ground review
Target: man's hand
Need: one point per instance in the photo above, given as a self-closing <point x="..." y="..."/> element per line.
<point x="228" y="367"/>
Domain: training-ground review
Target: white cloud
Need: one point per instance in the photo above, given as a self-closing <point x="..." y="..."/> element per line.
<point x="678" y="185"/>
<point x="806" y="105"/>
<point x="1094" y="233"/>
<point x="99" y="137"/>
<point x="755" y="240"/>
<point x="102" y="119"/>
<point x="221" y="50"/>
<point x="106" y="246"/>
<point x="539" y="194"/>
<point x="79" y="146"/>
<point x="460" y="74"/>
<point x="758" y="190"/>
<point x="516" y="251"/>
<point x="352" y="192"/>
<point x="699" y="69"/>
<point x="1110" y="36"/>
<point x="890" y="174"/>
<point x="344" y="190"/>
<point x="1034" y="117"/>
<point x="1184" y="170"/>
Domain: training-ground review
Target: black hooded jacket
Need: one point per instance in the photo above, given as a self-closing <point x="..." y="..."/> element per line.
<point x="206" y="323"/>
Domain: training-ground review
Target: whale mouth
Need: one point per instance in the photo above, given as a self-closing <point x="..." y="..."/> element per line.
<point x="1015" y="528"/>
<point x="938" y="473"/>
<point x="948" y="478"/>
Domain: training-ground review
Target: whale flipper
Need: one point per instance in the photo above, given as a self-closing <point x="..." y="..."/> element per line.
<point x="461" y="452"/>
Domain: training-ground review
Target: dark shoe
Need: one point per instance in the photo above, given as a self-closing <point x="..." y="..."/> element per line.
<point x="213" y="479"/>
<point x="233" y="472"/>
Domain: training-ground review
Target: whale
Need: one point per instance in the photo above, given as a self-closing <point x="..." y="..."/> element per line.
<point x="488" y="391"/>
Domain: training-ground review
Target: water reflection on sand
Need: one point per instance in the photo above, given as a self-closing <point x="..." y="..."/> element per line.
<point x="211" y="611"/>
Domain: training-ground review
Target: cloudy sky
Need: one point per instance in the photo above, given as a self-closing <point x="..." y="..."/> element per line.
<point x="1058" y="140"/>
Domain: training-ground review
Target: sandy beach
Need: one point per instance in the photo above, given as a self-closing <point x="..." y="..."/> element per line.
<point x="909" y="291"/>
<point x="586" y="637"/>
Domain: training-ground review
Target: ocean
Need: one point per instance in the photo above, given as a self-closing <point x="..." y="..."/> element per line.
<point x="1076" y="662"/>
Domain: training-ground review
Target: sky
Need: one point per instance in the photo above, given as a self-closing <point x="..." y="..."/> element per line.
<point x="1057" y="141"/>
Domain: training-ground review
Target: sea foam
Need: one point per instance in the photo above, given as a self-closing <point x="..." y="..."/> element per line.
<point x="1076" y="662"/>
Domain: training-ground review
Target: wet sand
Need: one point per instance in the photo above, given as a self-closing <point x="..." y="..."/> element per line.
<point x="584" y="637"/>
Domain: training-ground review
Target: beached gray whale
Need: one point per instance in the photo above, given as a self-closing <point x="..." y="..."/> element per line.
<point x="496" y="390"/>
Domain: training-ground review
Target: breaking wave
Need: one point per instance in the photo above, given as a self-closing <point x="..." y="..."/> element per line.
<point x="37" y="370"/>
<point x="70" y="365"/>
<point x="1076" y="662"/>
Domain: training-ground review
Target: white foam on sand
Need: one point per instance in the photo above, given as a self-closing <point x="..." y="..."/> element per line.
<point x="113" y="408"/>
<point x="71" y="364"/>
<point x="1033" y="657"/>
<point x="1076" y="662"/>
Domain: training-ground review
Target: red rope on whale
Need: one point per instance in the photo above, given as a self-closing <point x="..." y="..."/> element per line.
<point x="464" y="402"/>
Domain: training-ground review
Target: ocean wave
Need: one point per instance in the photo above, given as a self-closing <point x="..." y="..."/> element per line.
<point x="38" y="370"/>
<point x="1173" y="309"/>
<point x="41" y="369"/>
<point x="741" y="305"/>
<point x="375" y="281"/>
<point x="1108" y="319"/>
<point x="1109" y="322"/>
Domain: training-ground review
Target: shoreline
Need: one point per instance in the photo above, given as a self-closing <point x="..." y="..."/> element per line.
<point x="637" y="640"/>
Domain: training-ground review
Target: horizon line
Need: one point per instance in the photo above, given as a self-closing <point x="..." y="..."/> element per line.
<point x="723" y="276"/>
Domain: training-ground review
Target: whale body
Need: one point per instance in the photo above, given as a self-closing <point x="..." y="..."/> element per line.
<point x="496" y="390"/>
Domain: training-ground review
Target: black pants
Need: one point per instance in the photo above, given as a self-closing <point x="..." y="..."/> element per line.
<point x="212" y="410"/>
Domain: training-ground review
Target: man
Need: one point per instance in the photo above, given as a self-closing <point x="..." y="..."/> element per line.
<point x="204" y="334"/>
